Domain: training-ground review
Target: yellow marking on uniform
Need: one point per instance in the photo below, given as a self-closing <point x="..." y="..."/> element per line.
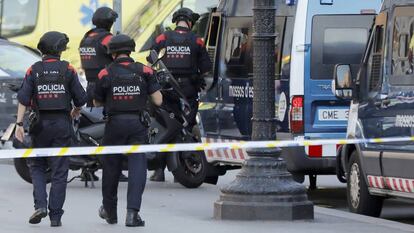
<point x="412" y="138"/>
<point x="98" y="150"/>
<point x="27" y="153"/>
<point x="63" y="151"/>
<point x="167" y="148"/>
<point x="133" y="149"/>
<point x="377" y="140"/>
<point x="202" y="146"/>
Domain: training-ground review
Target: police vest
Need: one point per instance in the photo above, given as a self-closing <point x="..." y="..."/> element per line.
<point x="93" y="54"/>
<point x="127" y="92"/>
<point x="180" y="56"/>
<point x="51" y="87"/>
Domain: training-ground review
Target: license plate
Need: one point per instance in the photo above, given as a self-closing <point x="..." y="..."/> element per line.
<point x="333" y="114"/>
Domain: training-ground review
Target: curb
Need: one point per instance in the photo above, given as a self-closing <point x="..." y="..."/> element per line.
<point x="364" y="219"/>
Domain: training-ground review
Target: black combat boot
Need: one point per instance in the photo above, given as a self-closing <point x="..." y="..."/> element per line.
<point x="133" y="219"/>
<point x="38" y="215"/>
<point x="158" y="175"/>
<point x="110" y="218"/>
<point x="55" y="223"/>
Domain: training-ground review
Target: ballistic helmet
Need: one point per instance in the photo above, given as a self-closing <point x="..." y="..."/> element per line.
<point x="104" y="17"/>
<point x="53" y="42"/>
<point x="185" y="14"/>
<point x="121" y="43"/>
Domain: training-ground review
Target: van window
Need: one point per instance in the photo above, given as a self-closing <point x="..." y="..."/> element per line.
<point x="237" y="52"/>
<point x="337" y="39"/>
<point x="280" y="33"/>
<point x="403" y="46"/>
<point x="237" y="42"/>
<point x="287" y="49"/>
<point x="374" y="68"/>
<point x="18" y="17"/>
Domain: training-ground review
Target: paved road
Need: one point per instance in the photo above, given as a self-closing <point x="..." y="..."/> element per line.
<point x="167" y="207"/>
<point x="332" y="194"/>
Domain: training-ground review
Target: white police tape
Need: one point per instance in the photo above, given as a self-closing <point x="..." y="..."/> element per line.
<point x="130" y="149"/>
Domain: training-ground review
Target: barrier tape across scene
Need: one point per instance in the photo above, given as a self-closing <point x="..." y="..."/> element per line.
<point x="130" y="149"/>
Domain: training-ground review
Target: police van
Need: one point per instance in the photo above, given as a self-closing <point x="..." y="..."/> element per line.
<point x="382" y="106"/>
<point x="312" y="36"/>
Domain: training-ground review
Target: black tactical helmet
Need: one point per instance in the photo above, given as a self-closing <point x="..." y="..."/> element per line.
<point x="53" y="42"/>
<point x="185" y="14"/>
<point x="104" y="17"/>
<point x="121" y="43"/>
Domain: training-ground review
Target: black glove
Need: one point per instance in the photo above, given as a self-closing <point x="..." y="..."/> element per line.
<point x="199" y="82"/>
<point x="162" y="78"/>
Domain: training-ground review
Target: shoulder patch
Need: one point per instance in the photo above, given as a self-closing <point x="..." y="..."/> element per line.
<point x="105" y="41"/>
<point x="148" y="70"/>
<point x="160" y="38"/>
<point x="29" y="71"/>
<point x="103" y="73"/>
<point x="200" y="42"/>
<point x="71" y="68"/>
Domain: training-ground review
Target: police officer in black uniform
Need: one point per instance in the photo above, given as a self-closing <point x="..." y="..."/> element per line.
<point x="93" y="47"/>
<point x="187" y="59"/>
<point x="124" y="88"/>
<point x="94" y="54"/>
<point x="49" y="88"/>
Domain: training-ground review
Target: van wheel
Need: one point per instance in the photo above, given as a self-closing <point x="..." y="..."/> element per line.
<point x="359" y="199"/>
<point x="24" y="172"/>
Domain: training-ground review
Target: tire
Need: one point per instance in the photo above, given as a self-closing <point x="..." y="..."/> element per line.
<point x="360" y="201"/>
<point x="340" y="174"/>
<point x="23" y="170"/>
<point x="192" y="169"/>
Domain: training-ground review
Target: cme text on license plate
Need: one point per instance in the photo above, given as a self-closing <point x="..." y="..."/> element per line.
<point x="333" y="114"/>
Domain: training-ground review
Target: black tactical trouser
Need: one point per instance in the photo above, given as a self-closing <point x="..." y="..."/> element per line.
<point x="124" y="130"/>
<point x="56" y="131"/>
<point x="90" y="93"/>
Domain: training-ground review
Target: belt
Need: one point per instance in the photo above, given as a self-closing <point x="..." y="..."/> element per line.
<point x="184" y="80"/>
<point x="53" y="114"/>
<point x="124" y="115"/>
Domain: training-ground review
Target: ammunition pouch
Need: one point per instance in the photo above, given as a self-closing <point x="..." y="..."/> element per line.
<point x="35" y="126"/>
<point x="145" y="119"/>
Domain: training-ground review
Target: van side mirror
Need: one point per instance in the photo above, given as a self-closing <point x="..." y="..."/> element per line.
<point x="342" y="85"/>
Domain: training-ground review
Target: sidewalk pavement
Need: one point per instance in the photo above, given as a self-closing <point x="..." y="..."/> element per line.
<point x="167" y="207"/>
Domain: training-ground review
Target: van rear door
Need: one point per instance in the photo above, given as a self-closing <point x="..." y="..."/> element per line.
<point x="336" y="39"/>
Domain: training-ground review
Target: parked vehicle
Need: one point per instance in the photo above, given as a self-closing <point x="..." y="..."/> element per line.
<point x="382" y="106"/>
<point x="145" y="31"/>
<point x="167" y="126"/>
<point x="26" y="21"/>
<point x="14" y="61"/>
<point x="312" y="36"/>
